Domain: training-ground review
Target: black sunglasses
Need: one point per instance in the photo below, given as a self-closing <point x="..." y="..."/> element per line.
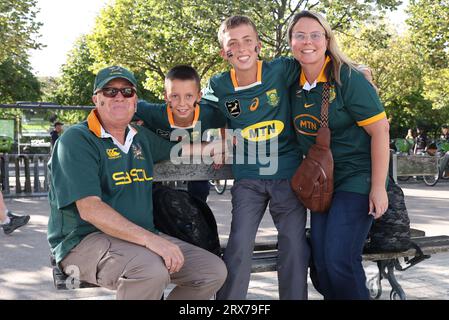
<point x="113" y="92"/>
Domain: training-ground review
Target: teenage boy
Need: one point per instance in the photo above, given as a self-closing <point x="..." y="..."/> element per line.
<point x="253" y="96"/>
<point x="182" y="110"/>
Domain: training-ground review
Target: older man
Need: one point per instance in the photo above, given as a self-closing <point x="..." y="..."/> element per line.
<point x="101" y="224"/>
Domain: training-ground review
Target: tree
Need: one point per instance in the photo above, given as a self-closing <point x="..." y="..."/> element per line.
<point x="151" y="36"/>
<point x="17" y="83"/>
<point x="429" y="26"/>
<point x="17" y="28"/>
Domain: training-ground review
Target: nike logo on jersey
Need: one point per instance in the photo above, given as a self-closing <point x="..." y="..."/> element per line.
<point x="308" y="105"/>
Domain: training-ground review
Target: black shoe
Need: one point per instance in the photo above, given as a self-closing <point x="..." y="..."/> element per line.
<point x="14" y="223"/>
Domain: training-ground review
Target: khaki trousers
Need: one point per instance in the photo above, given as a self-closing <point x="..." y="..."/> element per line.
<point x="138" y="273"/>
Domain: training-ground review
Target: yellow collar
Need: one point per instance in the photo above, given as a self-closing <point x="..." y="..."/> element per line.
<point x="259" y="78"/>
<point x="171" y="120"/>
<point x="321" y="78"/>
<point x="95" y="126"/>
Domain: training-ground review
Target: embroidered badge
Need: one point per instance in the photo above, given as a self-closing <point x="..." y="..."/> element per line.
<point x="332" y="94"/>
<point x="113" y="154"/>
<point x="162" y="133"/>
<point x="273" y="98"/>
<point x="233" y="108"/>
<point x="137" y="152"/>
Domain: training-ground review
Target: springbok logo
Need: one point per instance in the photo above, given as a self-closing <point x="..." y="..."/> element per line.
<point x="307" y="124"/>
<point x="263" y="131"/>
<point x="233" y="108"/>
<point x="273" y="98"/>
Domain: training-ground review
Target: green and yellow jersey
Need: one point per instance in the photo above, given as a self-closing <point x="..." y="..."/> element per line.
<point x="87" y="161"/>
<point x="159" y="119"/>
<point x="262" y="112"/>
<point x="352" y="105"/>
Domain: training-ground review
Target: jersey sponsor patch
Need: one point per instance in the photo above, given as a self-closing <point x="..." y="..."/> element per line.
<point x="234" y="108"/>
<point x="113" y="154"/>
<point x="134" y="175"/>
<point x="273" y="98"/>
<point x="307" y="124"/>
<point x="263" y="131"/>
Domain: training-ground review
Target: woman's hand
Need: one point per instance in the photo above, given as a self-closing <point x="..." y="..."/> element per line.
<point x="378" y="202"/>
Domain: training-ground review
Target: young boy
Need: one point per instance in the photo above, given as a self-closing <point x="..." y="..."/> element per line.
<point x="254" y="98"/>
<point x="182" y="111"/>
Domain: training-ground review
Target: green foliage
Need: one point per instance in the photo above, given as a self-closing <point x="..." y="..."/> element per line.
<point x="17" y="28"/>
<point x="399" y="73"/>
<point x="17" y="83"/>
<point x="151" y="36"/>
<point x="77" y="81"/>
<point x="429" y="26"/>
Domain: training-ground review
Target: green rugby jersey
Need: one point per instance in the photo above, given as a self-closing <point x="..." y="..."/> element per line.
<point x="159" y="119"/>
<point x="352" y="105"/>
<point x="262" y="112"/>
<point x="86" y="162"/>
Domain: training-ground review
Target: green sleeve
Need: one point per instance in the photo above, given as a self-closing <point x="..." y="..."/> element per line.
<point x="209" y="94"/>
<point x="159" y="147"/>
<point x="211" y="117"/>
<point x="75" y="167"/>
<point x="359" y="96"/>
<point x="289" y="68"/>
<point x="146" y="111"/>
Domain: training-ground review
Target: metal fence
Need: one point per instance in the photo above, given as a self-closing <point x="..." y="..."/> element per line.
<point x="24" y="175"/>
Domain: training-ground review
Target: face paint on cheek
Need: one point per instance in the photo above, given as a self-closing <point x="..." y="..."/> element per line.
<point x="229" y="54"/>
<point x="102" y="103"/>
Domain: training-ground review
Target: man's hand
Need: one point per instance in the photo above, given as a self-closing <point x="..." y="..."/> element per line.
<point x="170" y="252"/>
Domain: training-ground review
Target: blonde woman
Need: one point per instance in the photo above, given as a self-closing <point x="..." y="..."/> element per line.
<point x="360" y="148"/>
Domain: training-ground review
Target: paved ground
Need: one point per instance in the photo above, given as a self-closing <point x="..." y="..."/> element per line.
<point x="25" y="271"/>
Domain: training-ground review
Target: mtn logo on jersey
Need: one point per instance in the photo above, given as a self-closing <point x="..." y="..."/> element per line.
<point x="233" y="108"/>
<point x="263" y="131"/>
<point x="273" y="98"/>
<point x="307" y="124"/>
<point x="113" y="154"/>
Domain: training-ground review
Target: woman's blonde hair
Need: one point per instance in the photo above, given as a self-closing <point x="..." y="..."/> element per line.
<point x="338" y="58"/>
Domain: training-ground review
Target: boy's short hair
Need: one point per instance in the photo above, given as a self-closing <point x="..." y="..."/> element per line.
<point x="233" y="22"/>
<point x="183" y="72"/>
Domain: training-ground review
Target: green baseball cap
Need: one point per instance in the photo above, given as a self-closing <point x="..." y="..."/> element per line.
<point x="110" y="73"/>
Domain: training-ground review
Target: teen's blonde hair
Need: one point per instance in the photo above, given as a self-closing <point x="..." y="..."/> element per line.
<point x="338" y="58"/>
<point x="233" y="22"/>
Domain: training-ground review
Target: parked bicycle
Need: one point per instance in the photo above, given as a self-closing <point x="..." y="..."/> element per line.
<point x="219" y="185"/>
<point x="442" y="151"/>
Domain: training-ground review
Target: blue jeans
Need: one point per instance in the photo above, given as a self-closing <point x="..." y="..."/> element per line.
<point x="337" y="239"/>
